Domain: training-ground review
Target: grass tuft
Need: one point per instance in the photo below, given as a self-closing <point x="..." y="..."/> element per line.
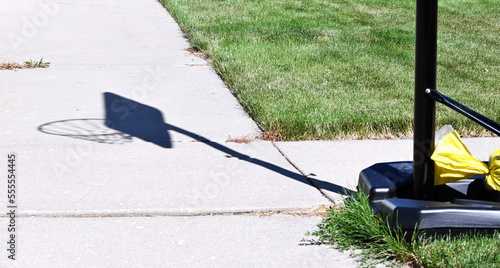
<point x="11" y="65"/>
<point x="36" y="64"/>
<point x="352" y="225"/>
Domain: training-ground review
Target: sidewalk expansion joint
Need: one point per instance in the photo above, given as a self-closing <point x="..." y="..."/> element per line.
<point x="302" y="173"/>
<point x="320" y="210"/>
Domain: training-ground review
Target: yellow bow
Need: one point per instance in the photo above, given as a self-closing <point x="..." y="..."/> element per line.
<point x="453" y="161"/>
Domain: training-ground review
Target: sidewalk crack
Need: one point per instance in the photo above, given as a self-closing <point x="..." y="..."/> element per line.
<point x="320" y="210"/>
<point x="302" y="173"/>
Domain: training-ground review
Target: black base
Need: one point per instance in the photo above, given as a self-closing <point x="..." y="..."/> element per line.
<point x="457" y="207"/>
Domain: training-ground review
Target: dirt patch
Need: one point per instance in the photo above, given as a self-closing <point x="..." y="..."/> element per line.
<point x="320" y="210"/>
<point x="11" y="65"/>
<point x="193" y="51"/>
<point x="245" y="139"/>
<point x="271" y="136"/>
<point x="198" y="64"/>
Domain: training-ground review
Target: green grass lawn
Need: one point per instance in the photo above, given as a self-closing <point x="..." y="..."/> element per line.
<point x="352" y="225"/>
<point x="329" y="69"/>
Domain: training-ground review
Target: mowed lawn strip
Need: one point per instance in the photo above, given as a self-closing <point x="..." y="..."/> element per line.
<point x="330" y="69"/>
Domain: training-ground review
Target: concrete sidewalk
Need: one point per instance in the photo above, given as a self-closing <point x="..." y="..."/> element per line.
<point x="123" y="156"/>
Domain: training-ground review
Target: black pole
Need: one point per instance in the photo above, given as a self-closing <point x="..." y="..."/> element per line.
<point x="425" y="107"/>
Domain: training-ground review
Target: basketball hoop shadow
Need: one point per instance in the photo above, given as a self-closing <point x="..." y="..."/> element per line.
<point x="90" y="129"/>
<point x="136" y="119"/>
<point x="126" y="118"/>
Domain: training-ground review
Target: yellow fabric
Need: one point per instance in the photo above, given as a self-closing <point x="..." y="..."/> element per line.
<point x="453" y="162"/>
<point x="492" y="180"/>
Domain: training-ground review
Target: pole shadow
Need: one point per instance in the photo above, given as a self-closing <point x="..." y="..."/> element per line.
<point x="134" y="119"/>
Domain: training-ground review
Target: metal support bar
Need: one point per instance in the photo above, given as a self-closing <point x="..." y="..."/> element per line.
<point x="425" y="108"/>
<point x="468" y="112"/>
